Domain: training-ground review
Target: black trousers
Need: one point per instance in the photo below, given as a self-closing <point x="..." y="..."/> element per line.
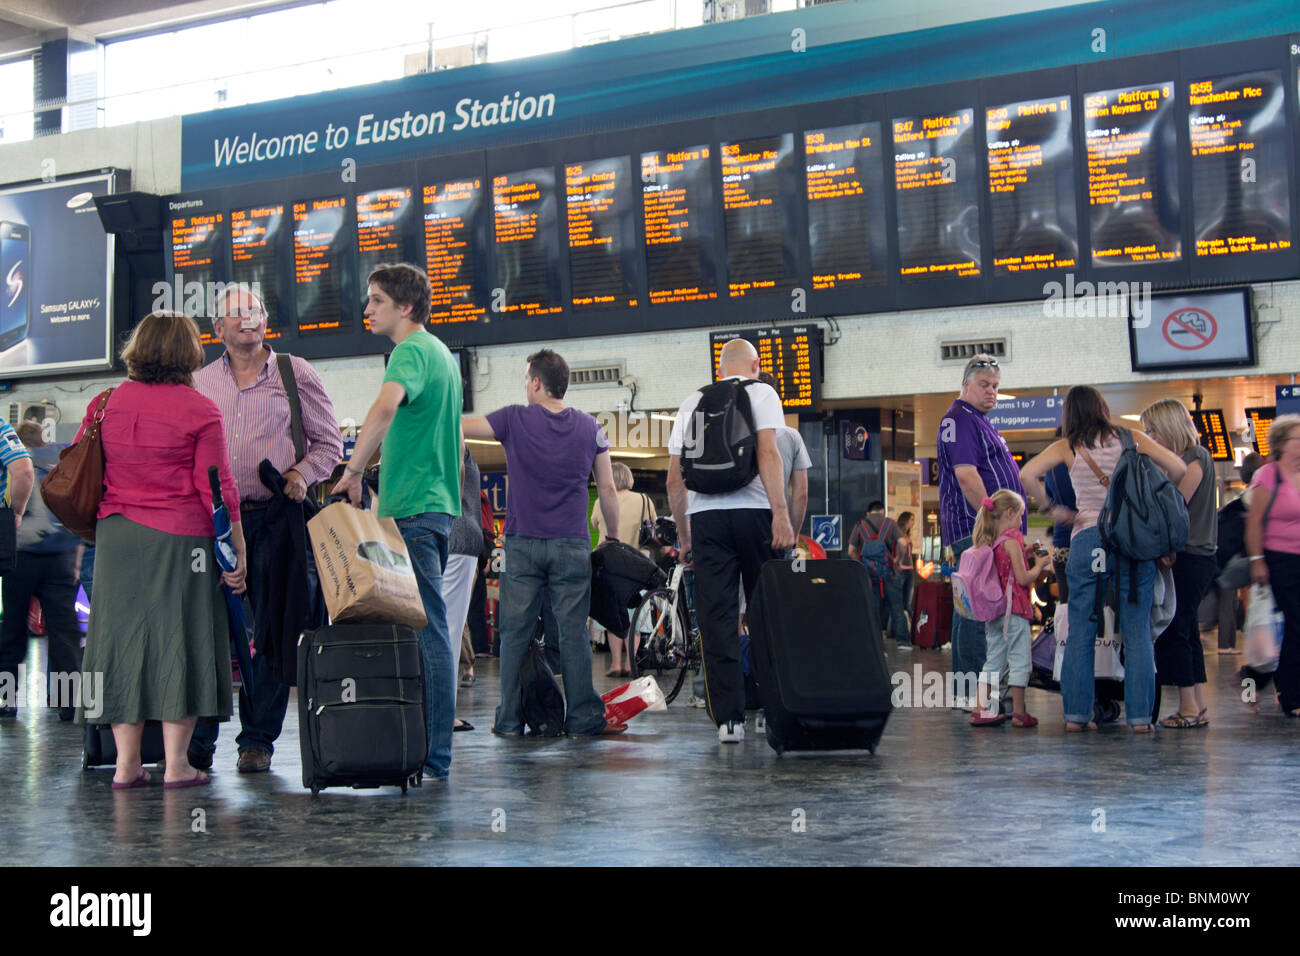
<point x="728" y="547"/>
<point x="1180" y="660"/>
<point x="52" y="580"/>
<point x="1283" y="574"/>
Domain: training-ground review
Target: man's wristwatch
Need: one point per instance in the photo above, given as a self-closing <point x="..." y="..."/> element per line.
<point x="348" y="468"/>
<point x="1257" y="557"/>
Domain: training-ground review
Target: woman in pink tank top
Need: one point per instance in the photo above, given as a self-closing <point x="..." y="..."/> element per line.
<point x="1090" y="449"/>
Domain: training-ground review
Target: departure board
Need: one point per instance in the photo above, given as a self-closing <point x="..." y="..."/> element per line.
<point x="254" y="234"/>
<point x="677" y="200"/>
<point x="602" y="234"/>
<point x="195" y="246"/>
<point x="1261" y="420"/>
<point x="528" y="268"/>
<point x="319" y="251"/>
<point x="790" y="354"/>
<point x="1213" y="430"/>
<point x="1241" y="193"/>
<point x="451" y="255"/>
<point x="757" y="188"/>
<point x="1132" y="150"/>
<point x="846" y="206"/>
<point x="383" y="218"/>
<point x="938" y="199"/>
<point x="1031" y="186"/>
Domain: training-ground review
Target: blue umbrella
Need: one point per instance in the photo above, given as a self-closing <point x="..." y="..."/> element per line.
<point x="226" y="561"/>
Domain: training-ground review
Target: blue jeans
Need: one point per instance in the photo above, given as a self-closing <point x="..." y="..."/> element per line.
<point x="1077" y="669"/>
<point x="562" y="568"/>
<point x="426" y="540"/>
<point x="969" y="646"/>
<point x="896" y="625"/>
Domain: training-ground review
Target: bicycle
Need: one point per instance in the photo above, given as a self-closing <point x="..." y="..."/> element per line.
<point x="668" y="638"/>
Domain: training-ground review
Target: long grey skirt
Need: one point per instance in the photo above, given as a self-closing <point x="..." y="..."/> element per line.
<point x="157" y="629"/>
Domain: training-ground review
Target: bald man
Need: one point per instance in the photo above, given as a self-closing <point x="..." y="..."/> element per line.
<point x="727" y="537"/>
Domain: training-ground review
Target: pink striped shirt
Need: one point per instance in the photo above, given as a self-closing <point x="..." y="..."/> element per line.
<point x="257" y="422"/>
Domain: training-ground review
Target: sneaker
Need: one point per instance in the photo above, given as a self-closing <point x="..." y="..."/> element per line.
<point x="904" y="647"/>
<point x="760" y="723"/>
<point x="731" y="732"/>
<point x="699" y="702"/>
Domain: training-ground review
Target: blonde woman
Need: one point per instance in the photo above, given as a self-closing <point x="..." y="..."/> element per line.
<point x="1273" y="543"/>
<point x="633" y="509"/>
<point x="1179" y="659"/>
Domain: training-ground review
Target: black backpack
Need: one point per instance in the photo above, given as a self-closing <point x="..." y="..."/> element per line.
<point x="540" y="699"/>
<point x="720" y="446"/>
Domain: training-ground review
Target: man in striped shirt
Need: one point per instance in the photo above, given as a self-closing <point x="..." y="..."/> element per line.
<point x="974" y="462"/>
<point x="246" y="384"/>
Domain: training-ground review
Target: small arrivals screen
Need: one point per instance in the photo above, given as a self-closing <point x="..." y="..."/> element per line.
<point x="452" y="256"/>
<point x="383" y="218"/>
<point x="1241" y="192"/>
<point x="1261" y="420"/>
<point x="602" y="234"/>
<point x="1213" y="430"/>
<point x="938" y="197"/>
<point x="757" y="186"/>
<point x="319" y="257"/>
<point x="254" y="241"/>
<point x="677" y="203"/>
<point x="1031" y="186"/>
<point x="845" y="181"/>
<point x="527" y="243"/>
<point x="790" y="354"/>
<point x="1132" y="151"/>
<point x="195" y="247"/>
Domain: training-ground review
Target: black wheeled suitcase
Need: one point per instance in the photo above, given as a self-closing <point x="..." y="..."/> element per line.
<point x="816" y="652"/>
<point x="361" y="720"/>
<point x="100" y="749"/>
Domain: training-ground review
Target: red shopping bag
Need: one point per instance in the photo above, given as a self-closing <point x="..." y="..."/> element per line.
<point x="626" y="701"/>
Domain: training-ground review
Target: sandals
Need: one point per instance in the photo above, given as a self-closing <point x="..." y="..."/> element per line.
<point x="1201" y="719"/>
<point x="141" y="780"/>
<point x="1023" y="720"/>
<point x="1074" y="728"/>
<point x="983" y="719"/>
<point x="200" y="779"/>
<point x="1180" y="721"/>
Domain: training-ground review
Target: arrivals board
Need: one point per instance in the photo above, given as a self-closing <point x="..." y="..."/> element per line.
<point x="1261" y="420"/>
<point x="384" y="216"/>
<point x="195" y="250"/>
<point x="454" y="258"/>
<point x="1237" y="132"/>
<point x="254" y="247"/>
<point x="602" y="234"/>
<point x="1031" y="186"/>
<point x="1212" y="428"/>
<point x="844" y="173"/>
<point x="938" y="201"/>
<point x="320" y="247"/>
<point x="677" y="207"/>
<point x="527" y="245"/>
<point x="790" y="354"/>
<point x="757" y="185"/>
<point x="1132" y="153"/>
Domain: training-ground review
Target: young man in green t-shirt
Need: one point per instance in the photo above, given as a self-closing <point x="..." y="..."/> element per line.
<point x="417" y="418"/>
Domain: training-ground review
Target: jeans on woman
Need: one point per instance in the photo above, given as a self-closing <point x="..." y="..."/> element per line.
<point x="1077" y="674"/>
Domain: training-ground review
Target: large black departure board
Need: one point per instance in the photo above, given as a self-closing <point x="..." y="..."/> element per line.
<point x="254" y="249"/>
<point x="677" y="206"/>
<point x="791" y="354"/>
<point x="1031" y="186"/>
<point x="1132" y="151"/>
<point x="938" y="196"/>
<point x="453" y="256"/>
<point x="1240" y="190"/>
<point x="845" y="179"/>
<point x="527" y="243"/>
<point x="758" y="177"/>
<point x="602" y="234"/>
<point x="195" y="249"/>
<point x="320" y="257"/>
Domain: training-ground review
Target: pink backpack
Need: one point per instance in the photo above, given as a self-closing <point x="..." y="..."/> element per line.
<point x="977" y="591"/>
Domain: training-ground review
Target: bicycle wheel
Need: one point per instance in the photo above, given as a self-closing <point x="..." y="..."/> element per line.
<point x="655" y="629"/>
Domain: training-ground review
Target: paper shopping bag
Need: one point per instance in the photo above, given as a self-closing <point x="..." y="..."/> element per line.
<point x="365" y="570"/>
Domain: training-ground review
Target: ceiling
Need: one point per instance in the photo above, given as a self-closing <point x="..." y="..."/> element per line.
<point x="25" y="24"/>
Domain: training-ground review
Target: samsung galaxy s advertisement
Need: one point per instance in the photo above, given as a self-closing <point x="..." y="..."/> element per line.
<point x="55" y="278"/>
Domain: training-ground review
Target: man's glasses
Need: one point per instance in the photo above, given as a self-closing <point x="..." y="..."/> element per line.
<point x="245" y="314"/>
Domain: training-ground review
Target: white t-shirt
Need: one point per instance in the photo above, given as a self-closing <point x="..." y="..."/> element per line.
<point x="794" y="453"/>
<point x="766" y="406"/>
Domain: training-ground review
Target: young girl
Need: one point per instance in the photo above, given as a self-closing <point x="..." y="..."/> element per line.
<point x="997" y="524"/>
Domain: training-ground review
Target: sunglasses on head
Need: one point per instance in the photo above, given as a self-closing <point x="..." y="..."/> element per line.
<point x="991" y="363"/>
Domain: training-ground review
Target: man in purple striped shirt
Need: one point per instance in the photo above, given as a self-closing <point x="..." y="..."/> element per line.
<point x="246" y="385"/>
<point x="974" y="462"/>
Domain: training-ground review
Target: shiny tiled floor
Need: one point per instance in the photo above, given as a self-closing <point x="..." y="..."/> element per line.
<point x="936" y="792"/>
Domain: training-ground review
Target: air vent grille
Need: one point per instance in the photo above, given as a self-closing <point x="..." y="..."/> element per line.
<point x="962" y="351"/>
<point x="603" y="373"/>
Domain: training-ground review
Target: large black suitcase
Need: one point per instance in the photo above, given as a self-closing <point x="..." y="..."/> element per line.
<point x="100" y="749"/>
<point x="361" y="720"/>
<point x="816" y="652"/>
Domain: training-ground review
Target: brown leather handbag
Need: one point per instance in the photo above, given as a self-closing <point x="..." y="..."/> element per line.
<point x="75" y="486"/>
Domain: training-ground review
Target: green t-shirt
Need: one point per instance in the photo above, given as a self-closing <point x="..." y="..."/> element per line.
<point x="420" y="462"/>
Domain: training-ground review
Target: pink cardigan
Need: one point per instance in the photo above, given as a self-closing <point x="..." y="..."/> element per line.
<point x="159" y="441"/>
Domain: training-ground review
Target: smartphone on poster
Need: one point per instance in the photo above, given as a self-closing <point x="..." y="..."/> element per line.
<point x="15" y="283"/>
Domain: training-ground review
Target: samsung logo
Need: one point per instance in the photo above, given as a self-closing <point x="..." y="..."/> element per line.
<point x="79" y="200"/>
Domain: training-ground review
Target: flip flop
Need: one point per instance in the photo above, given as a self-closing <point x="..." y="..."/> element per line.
<point x="141" y="780"/>
<point x="200" y="779"/>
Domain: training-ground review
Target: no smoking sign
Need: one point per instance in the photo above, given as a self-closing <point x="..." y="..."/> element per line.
<point x="1190" y="329"/>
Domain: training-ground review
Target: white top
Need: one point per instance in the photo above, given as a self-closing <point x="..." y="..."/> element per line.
<point x="766" y="406"/>
<point x="794" y="453"/>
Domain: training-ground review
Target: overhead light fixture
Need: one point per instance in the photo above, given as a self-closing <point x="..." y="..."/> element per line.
<point x="1003" y="396"/>
<point x="633" y="454"/>
<point x="481" y="441"/>
<point x="1131" y="418"/>
<point x="663" y="418"/>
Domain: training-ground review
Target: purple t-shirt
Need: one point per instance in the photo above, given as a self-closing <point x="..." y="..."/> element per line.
<point x="966" y="437"/>
<point x="549" y="458"/>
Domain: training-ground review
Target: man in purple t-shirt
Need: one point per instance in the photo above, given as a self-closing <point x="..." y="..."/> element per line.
<point x="974" y="462"/>
<point x="551" y="452"/>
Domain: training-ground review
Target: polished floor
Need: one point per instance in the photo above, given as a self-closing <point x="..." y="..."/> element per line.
<point x="936" y="792"/>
